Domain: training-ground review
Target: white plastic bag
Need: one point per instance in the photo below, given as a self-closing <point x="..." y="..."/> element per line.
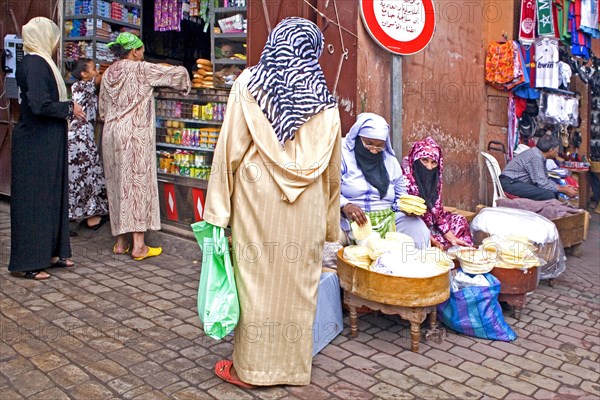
<point x="505" y="222"/>
<point x="462" y="280"/>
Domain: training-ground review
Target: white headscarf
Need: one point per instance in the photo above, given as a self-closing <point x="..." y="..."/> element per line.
<point x="370" y="126"/>
<point x="40" y="37"/>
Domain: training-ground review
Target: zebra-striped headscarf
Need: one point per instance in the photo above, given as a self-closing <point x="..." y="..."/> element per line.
<point x="288" y="83"/>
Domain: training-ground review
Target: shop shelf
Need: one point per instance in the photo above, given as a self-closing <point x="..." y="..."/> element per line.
<point x="117" y="22"/>
<point x="178" y="146"/>
<point x="230" y="35"/>
<point x="196" y="121"/>
<point x="85" y="38"/>
<point x="109" y="20"/>
<point x="127" y="3"/>
<point x="225" y="10"/>
<point x="230" y="61"/>
<point x="79" y="16"/>
<point x="183" y="180"/>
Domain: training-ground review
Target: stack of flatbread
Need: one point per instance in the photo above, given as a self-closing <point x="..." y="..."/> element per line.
<point x="512" y="252"/>
<point x="203" y="76"/>
<point x="412" y="205"/>
<point x="476" y="261"/>
<point x="377" y="246"/>
<point x="357" y="255"/>
<point x="435" y="255"/>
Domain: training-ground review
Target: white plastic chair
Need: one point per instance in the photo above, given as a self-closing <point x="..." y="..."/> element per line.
<point x="494" y="169"/>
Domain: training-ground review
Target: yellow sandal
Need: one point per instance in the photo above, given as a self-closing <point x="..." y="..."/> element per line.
<point x="124" y="252"/>
<point x="152" y="252"/>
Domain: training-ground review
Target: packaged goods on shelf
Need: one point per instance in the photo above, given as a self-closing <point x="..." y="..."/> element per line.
<point x="103" y="31"/>
<point x="167" y="15"/>
<point x="184" y="163"/>
<point x="72" y="50"/>
<point x="103" y="8"/>
<point x="69" y="7"/>
<point x="76" y="28"/>
<point x="79" y="7"/>
<point x="202" y="112"/>
<point x="234" y="3"/>
<point x="130" y="30"/>
<point x="103" y="53"/>
<point x="235" y="23"/>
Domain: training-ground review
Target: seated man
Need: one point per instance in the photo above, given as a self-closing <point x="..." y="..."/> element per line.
<point x="526" y="175"/>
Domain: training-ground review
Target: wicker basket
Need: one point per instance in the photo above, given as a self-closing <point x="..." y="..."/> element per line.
<point x="595" y="166"/>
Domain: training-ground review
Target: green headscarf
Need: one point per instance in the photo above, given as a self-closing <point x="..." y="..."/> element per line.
<point x="128" y="41"/>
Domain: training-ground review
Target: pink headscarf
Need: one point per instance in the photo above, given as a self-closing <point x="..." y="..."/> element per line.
<point x="423" y="148"/>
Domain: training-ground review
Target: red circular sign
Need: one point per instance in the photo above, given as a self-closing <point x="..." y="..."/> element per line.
<point x="399" y="26"/>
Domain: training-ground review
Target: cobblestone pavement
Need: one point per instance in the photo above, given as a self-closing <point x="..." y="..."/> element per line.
<point x="115" y="328"/>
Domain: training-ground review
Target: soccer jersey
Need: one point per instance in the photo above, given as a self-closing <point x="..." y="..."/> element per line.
<point x="589" y="18"/>
<point x="528" y="90"/>
<point x="546" y="63"/>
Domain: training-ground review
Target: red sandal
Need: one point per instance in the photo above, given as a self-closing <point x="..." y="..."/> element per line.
<point x="223" y="371"/>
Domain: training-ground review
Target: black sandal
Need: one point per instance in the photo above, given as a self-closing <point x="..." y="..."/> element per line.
<point x="31" y="275"/>
<point x="103" y="220"/>
<point x="61" y="263"/>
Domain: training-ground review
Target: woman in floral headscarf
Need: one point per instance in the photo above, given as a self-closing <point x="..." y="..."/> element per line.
<point x="423" y="171"/>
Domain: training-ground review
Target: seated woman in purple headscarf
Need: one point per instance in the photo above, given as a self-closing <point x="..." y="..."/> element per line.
<point x="372" y="182"/>
<point x="423" y="171"/>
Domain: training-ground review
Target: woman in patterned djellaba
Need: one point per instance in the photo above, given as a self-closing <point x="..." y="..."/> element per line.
<point x="129" y="142"/>
<point x="87" y="192"/>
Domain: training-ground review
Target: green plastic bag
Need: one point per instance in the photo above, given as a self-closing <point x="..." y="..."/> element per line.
<point x="218" y="305"/>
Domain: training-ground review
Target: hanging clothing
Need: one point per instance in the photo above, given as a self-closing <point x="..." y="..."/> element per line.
<point x="87" y="190"/>
<point x="527" y="89"/>
<point x="589" y="18"/>
<point x="39" y="184"/>
<point x="562" y="11"/>
<point x="546" y="60"/>
<point x="527" y="22"/>
<point x="129" y="140"/>
<point x="288" y="82"/>
<point x="437" y="220"/>
<point x="545" y="25"/>
<point x="280" y="218"/>
<point x="581" y="42"/>
<point x="504" y="68"/>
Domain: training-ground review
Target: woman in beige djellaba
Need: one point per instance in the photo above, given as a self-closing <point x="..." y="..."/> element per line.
<point x="277" y="184"/>
<point x="129" y="141"/>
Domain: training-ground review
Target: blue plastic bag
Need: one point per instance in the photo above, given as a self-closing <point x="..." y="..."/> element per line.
<point x="475" y="311"/>
<point x="218" y="304"/>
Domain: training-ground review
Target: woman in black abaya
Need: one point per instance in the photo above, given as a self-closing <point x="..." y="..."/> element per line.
<point x="39" y="186"/>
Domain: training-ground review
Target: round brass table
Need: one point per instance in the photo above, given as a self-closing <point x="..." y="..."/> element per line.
<point x="413" y="299"/>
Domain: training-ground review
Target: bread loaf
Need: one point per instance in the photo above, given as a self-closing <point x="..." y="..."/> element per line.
<point x="203" y="61"/>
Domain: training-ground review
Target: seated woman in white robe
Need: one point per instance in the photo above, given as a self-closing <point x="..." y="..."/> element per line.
<point x="372" y="182"/>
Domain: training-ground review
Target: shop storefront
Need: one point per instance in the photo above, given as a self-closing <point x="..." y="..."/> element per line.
<point x="209" y="39"/>
<point x="439" y="91"/>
